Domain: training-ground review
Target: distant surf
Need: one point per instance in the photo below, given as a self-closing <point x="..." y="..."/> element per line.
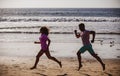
<point x="59" y="20"/>
<point x="53" y="12"/>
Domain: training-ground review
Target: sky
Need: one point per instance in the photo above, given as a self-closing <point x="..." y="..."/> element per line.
<point x="59" y="3"/>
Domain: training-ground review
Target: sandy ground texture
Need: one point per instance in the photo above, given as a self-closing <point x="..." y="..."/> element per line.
<point x="20" y="66"/>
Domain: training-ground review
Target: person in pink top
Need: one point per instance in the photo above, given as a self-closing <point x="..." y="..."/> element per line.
<point x="85" y="35"/>
<point x="45" y="43"/>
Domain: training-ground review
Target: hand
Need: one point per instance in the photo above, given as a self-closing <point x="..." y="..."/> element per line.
<point x="92" y="41"/>
<point x="35" y="42"/>
<point x="75" y="31"/>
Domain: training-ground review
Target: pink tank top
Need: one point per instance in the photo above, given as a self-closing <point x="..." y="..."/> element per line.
<point x="43" y="40"/>
<point x="85" y="37"/>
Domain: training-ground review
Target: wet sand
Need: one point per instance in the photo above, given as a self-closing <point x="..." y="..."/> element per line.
<point x="20" y="66"/>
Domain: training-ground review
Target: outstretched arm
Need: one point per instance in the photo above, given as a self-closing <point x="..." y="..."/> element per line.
<point x="93" y="33"/>
<point x="37" y="42"/>
<point x="76" y="34"/>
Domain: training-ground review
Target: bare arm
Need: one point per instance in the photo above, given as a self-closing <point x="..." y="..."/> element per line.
<point x="49" y="41"/>
<point x="37" y="42"/>
<point x="93" y="34"/>
<point x="76" y="34"/>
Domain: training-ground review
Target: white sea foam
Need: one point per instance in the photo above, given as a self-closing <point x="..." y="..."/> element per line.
<point x="59" y="27"/>
<point x="59" y="19"/>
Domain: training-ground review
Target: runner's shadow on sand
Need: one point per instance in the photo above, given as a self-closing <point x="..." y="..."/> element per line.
<point x="41" y="74"/>
<point x="63" y="75"/>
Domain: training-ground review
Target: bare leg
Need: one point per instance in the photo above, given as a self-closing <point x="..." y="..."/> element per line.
<point x="99" y="59"/>
<point x="79" y="59"/>
<point x="52" y="58"/>
<point x="37" y="59"/>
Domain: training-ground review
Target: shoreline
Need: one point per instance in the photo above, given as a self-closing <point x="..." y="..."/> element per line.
<point x="19" y="32"/>
<point x="20" y="66"/>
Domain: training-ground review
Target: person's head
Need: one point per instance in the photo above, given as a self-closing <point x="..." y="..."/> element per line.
<point x="44" y="30"/>
<point x="82" y="26"/>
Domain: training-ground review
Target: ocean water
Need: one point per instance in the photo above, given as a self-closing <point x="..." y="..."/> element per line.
<point x="19" y="28"/>
<point x="28" y="20"/>
<point x="48" y="12"/>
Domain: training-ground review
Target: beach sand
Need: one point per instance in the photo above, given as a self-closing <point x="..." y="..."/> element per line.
<point x="20" y="66"/>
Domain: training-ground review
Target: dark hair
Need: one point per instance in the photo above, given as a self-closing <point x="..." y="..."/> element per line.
<point x="82" y="25"/>
<point x="44" y="30"/>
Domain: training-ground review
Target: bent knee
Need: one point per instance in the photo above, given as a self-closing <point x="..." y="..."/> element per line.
<point x="78" y="53"/>
<point x="50" y="57"/>
<point x="95" y="55"/>
<point x="37" y="56"/>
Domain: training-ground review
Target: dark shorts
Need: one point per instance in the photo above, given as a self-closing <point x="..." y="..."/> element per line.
<point x="88" y="48"/>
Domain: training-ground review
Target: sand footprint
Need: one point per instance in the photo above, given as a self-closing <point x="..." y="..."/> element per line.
<point x="16" y="66"/>
<point x="85" y="74"/>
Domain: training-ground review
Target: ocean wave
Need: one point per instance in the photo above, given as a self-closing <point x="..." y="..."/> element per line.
<point x="23" y="32"/>
<point x="59" y="19"/>
<point x="53" y="12"/>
